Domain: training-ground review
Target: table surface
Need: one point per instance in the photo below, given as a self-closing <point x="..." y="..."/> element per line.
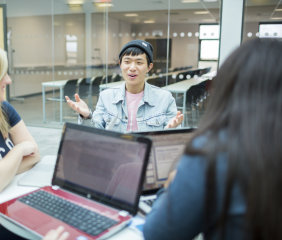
<point x="183" y="86"/>
<point x="14" y="190"/>
<point x="54" y="83"/>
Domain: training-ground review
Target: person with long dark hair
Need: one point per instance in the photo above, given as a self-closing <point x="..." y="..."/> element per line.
<point x="228" y="182"/>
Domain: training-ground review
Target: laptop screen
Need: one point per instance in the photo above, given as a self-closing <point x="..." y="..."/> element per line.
<point x="167" y="148"/>
<point x="103" y="165"/>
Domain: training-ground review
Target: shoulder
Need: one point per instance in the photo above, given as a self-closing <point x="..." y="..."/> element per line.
<point x="157" y="91"/>
<point x="11" y="113"/>
<point x="111" y="91"/>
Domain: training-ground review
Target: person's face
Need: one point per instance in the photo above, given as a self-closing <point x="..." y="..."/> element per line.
<point x="134" y="70"/>
<point x="6" y="80"/>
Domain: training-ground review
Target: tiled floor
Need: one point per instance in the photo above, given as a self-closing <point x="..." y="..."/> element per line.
<point x="30" y="109"/>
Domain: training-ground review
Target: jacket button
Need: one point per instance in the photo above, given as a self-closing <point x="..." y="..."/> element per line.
<point x="126" y="117"/>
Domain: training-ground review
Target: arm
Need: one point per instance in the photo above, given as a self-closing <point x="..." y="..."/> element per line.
<point x="19" y="133"/>
<point x="9" y="165"/>
<point x="178" y="213"/>
<point x="79" y="106"/>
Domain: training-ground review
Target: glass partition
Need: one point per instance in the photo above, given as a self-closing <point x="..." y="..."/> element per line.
<point x="51" y="42"/>
<point x="262" y="19"/>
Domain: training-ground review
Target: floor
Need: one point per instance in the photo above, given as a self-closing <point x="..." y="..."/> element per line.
<point x="30" y="109"/>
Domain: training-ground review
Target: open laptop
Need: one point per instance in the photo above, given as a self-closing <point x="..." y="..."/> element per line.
<point x="98" y="177"/>
<point x="167" y="147"/>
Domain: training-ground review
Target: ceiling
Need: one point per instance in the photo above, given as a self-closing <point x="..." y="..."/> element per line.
<point x="153" y="10"/>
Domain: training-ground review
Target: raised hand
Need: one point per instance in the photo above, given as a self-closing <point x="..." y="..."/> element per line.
<point x="79" y="105"/>
<point x="174" y="122"/>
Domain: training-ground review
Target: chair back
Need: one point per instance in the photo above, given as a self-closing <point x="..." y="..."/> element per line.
<point x="116" y="78"/>
<point x="70" y="88"/>
<point x="95" y="83"/>
<point x="84" y="87"/>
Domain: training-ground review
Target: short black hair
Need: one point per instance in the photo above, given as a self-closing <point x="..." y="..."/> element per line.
<point x="134" y="51"/>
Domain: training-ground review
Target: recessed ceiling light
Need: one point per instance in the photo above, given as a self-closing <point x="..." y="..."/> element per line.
<point x="278" y="10"/>
<point x="190" y="1"/>
<point x="201" y="12"/>
<point x="210" y="0"/>
<point x="131" y="15"/>
<point x="103" y="3"/>
<point x="149" y="21"/>
<point x="276" y="18"/>
<point x="75" y="2"/>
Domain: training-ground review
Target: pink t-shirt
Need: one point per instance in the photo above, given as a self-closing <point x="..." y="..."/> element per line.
<point x="132" y="101"/>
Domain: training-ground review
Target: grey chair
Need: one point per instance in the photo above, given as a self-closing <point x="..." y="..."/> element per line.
<point x="69" y="90"/>
<point x="94" y="88"/>
<point x="84" y="90"/>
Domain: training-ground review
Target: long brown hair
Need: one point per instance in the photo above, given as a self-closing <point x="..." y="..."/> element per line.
<point x="4" y="125"/>
<point x="246" y="104"/>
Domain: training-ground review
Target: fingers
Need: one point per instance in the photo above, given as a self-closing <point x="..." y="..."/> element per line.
<point x="77" y="98"/>
<point x="57" y="234"/>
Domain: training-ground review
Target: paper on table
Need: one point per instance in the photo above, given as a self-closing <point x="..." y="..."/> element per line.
<point x="41" y="174"/>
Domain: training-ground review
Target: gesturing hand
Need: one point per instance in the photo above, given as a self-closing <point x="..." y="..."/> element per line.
<point x="79" y="105"/>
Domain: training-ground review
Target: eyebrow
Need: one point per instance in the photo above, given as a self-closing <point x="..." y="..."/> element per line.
<point x="136" y="59"/>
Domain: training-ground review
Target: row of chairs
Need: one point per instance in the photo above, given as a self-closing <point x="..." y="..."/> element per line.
<point x="85" y="87"/>
<point x="196" y="97"/>
<point x="160" y="81"/>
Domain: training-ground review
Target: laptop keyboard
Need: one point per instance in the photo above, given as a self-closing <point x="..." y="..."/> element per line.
<point x="79" y="217"/>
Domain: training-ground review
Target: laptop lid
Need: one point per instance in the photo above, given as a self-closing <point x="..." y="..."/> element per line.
<point x="167" y="147"/>
<point x="108" y="167"/>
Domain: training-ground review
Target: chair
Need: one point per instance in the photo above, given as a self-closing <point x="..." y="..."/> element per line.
<point x="116" y="78"/>
<point x="94" y="88"/>
<point x="69" y="90"/>
<point x="194" y="96"/>
<point x="157" y="81"/>
<point x="84" y="88"/>
<point x="107" y="79"/>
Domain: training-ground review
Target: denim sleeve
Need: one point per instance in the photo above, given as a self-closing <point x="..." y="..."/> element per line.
<point x="97" y="117"/>
<point x="178" y="213"/>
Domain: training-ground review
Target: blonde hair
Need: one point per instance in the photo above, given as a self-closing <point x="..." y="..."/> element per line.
<point x="4" y="124"/>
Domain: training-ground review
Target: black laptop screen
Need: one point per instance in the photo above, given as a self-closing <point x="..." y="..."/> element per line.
<point x="104" y="164"/>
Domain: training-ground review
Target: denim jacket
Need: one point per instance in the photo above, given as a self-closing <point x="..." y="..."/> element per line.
<point x="155" y="109"/>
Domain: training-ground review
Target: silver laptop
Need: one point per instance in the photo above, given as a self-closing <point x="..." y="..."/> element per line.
<point x="167" y="147"/>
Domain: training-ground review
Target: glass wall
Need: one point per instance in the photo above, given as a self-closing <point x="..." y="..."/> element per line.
<point x="59" y="40"/>
<point x="263" y="19"/>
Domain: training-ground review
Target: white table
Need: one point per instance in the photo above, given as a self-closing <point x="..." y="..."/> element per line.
<point x="182" y="87"/>
<point x="14" y="190"/>
<point x="53" y="84"/>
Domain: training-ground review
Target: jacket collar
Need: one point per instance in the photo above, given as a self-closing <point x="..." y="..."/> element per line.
<point x="147" y="98"/>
